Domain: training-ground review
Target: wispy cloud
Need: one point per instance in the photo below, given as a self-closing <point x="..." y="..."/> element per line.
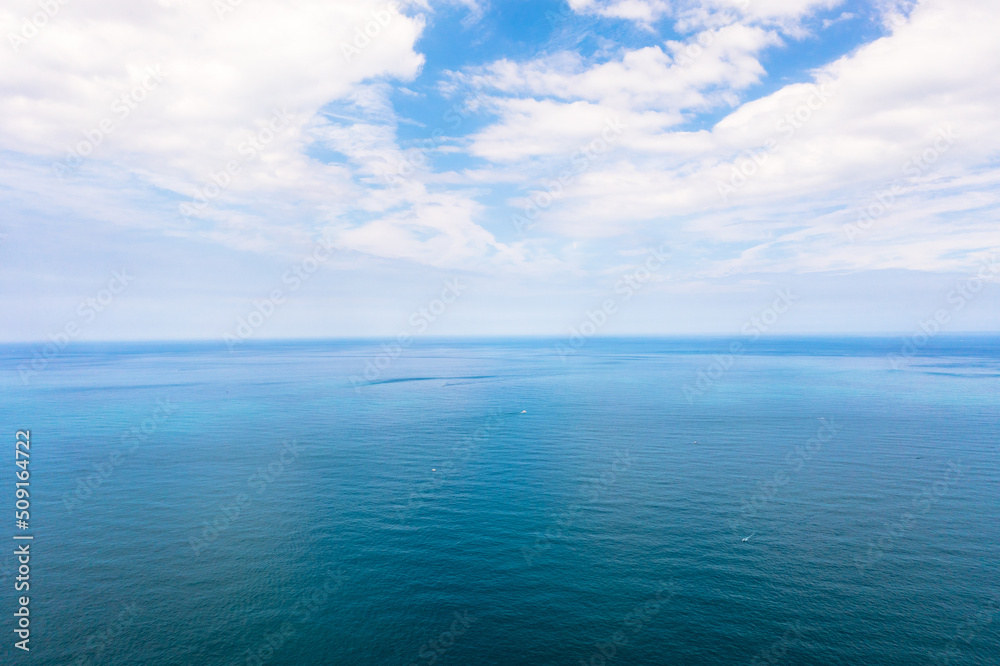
<point x="393" y="155"/>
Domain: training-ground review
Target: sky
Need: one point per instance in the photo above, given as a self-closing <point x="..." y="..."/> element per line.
<point x="236" y="169"/>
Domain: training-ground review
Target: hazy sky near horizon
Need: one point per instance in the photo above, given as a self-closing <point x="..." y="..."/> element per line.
<point x="353" y="159"/>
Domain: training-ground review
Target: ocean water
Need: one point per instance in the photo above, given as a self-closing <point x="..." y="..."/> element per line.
<point x="494" y="502"/>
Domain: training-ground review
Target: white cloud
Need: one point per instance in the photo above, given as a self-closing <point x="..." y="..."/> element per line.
<point x="645" y="78"/>
<point x="221" y="73"/>
<point x="764" y="10"/>
<point x="641" y="11"/>
<point x="883" y="107"/>
<point x="846" y="16"/>
<point x="225" y="77"/>
<point x="476" y="9"/>
<point x="547" y="106"/>
<point x="786" y="16"/>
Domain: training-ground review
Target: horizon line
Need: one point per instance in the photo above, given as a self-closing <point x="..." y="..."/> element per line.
<point x="516" y="336"/>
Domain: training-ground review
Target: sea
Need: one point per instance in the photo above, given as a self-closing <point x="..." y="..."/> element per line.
<point x="800" y="500"/>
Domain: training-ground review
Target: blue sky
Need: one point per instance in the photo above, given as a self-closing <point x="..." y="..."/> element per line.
<point x="536" y="151"/>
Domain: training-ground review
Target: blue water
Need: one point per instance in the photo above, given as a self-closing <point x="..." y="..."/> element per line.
<point x="489" y="502"/>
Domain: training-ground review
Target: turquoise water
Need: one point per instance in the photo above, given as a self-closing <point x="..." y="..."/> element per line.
<point x="489" y="502"/>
